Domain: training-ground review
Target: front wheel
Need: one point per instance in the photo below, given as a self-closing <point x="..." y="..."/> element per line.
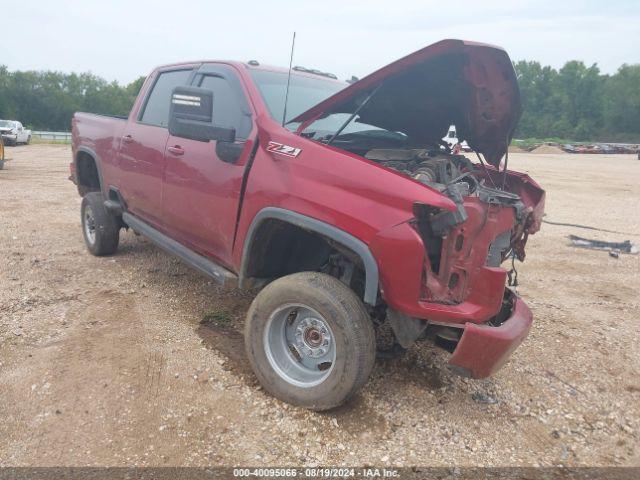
<point x="310" y="340"/>
<point x="101" y="230"/>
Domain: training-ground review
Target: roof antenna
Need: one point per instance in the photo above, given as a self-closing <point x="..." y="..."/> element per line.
<point x="286" y="95"/>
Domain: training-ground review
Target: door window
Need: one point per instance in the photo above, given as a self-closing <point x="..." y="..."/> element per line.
<point x="156" y="109"/>
<point x="227" y="109"/>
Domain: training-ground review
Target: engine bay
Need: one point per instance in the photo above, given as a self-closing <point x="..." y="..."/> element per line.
<point x="454" y="175"/>
<point x="457" y="177"/>
<point x="432" y="166"/>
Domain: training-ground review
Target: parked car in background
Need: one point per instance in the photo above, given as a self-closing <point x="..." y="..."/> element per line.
<point x="14" y="133"/>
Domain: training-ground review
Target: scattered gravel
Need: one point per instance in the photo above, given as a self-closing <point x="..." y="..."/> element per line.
<point x="106" y="361"/>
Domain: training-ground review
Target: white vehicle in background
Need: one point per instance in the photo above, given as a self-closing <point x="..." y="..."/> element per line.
<point x="14" y="133"/>
<point x="452" y="139"/>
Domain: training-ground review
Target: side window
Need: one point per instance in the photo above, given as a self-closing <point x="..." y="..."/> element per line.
<point x="156" y="109"/>
<point x="227" y="109"/>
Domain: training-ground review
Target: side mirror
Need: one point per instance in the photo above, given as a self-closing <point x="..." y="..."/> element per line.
<point x="191" y="116"/>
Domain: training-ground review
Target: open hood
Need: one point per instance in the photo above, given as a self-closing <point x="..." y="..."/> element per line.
<point x="452" y="82"/>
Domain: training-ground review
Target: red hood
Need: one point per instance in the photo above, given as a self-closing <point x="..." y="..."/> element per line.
<point x="452" y="82"/>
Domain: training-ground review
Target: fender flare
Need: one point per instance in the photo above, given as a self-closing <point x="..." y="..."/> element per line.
<point x="96" y="159"/>
<point x="308" y="223"/>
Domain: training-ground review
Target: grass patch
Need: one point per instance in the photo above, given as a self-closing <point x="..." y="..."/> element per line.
<point x="221" y="318"/>
<point x="50" y="141"/>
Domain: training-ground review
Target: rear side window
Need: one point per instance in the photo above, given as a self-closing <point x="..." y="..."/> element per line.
<point x="156" y="110"/>
<point x="227" y="109"/>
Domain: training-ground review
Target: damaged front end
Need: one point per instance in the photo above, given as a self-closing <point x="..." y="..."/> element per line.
<point x="462" y="302"/>
<point x="464" y="253"/>
<point x="440" y="272"/>
<point x="489" y="225"/>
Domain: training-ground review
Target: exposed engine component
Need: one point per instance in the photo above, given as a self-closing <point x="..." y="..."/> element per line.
<point x="431" y="166"/>
<point x="458" y="178"/>
<point x="455" y="174"/>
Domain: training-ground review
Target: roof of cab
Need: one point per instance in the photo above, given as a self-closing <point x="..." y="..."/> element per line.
<point x="247" y="65"/>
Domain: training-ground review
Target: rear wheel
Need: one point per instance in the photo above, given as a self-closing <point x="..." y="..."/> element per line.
<point x="310" y="340"/>
<point x="101" y="230"/>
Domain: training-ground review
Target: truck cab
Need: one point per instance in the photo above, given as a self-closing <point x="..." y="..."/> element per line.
<point x="338" y="203"/>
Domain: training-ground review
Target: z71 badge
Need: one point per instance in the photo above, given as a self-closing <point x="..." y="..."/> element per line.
<point x="286" y="150"/>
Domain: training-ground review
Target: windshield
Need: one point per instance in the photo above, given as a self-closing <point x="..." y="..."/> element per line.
<point x="325" y="128"/>
<point x="304" y="92"/>
<point x="6" y="123"/>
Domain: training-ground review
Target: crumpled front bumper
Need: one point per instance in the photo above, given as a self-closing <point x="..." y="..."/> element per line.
<point x="9" y="136"/>
<point x="483" y="349"/>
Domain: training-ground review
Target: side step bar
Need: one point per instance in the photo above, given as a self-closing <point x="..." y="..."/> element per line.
<point x="200" y="263"/>
<point x="113" y="207"/>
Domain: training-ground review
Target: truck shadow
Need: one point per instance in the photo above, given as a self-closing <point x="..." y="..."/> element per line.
<point x="230" y="343"/>
<point x="220" y="322"/>
<point x="358" y="416"/>
<point x="224" y="335"/>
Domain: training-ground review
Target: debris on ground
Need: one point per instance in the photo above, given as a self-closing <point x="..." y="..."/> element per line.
<point x="617" y="247"/>
<point x="481" y="397"/>
<point x="520" y="146"/>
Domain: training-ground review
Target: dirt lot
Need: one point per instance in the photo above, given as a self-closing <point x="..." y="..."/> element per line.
<point x="105" y="361"/>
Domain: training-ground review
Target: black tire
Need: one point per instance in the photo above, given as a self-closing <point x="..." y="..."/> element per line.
<point x="105" y="227"/>
<point x="1" y="164"/>
<point x="28" y="140"/>
<point x="351" y="329"/>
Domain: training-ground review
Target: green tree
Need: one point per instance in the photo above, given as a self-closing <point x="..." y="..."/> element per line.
<point x="621" y="101"/>
<point x="575" y="102"/>
<point x="578" y="91"/>
<point x="47" y="100"/>
<point x="536" y="89"/>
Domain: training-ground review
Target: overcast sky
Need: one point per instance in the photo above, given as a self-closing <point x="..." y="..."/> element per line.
<point x="121" y="40"/>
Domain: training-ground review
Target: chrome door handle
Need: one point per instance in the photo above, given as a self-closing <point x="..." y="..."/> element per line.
<point x="176" y="150"/>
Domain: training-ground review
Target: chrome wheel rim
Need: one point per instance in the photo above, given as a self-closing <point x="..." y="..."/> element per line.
<point x="89" y="225"/>
<point x="299" y="345"/>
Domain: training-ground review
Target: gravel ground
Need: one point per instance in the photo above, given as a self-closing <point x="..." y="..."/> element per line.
<point x="136" y="360"/>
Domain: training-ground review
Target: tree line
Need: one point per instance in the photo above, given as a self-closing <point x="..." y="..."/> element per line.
<point x="574" y="102"/>
<point x="578" y="102"/>
<point x="47" y="100"/>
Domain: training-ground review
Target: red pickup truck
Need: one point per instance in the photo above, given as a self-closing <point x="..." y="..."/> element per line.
<point x="339" y="202"/>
